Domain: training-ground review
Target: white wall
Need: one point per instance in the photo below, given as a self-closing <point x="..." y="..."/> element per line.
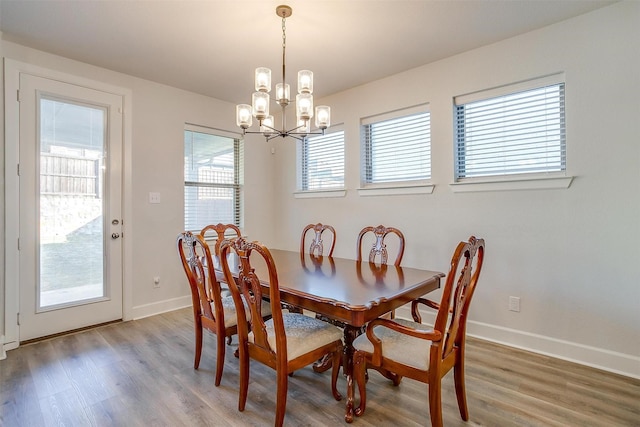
<point x="568" y="254"/>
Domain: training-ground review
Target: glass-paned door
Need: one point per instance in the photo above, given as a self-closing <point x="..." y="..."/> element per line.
<point x="70" y="230"/>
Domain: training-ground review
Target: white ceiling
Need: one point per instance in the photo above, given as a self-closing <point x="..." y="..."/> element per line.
<point x="212" y="47"/>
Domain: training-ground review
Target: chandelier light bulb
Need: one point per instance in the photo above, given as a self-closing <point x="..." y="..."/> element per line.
<point x="244" y="117"/>
<point x="323" y="116"/>
<point x="260" y="105"/>
<point x="267" y="126"/>
<point x="263" y="79"/>
<point x="305" y="81"/>
<point x="304" y="106"/>
<point x="282" y="93"/>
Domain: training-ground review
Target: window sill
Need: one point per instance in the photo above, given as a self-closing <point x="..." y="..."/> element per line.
<point x="319" y="194"/>
<point x="512" y="183"/>
<point x="392" y="191"/>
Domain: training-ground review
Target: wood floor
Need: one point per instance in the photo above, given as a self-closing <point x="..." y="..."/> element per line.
<point x="140" y="373"/>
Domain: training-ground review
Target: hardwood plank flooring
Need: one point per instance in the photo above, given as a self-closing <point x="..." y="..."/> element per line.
<point x="140" y="373"/>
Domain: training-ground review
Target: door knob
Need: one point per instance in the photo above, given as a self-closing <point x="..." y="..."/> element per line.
<point x="115" y="235"/>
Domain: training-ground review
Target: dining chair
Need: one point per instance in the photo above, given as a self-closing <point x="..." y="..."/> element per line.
<point x="379" y="248"/>
<point x="316" y="244"/>
<point x="286" y="342"/>
<point x="401" y="348"/>
<point x="212" y="309"/>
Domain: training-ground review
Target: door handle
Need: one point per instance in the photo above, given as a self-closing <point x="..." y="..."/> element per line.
<point x="115" y="235"/>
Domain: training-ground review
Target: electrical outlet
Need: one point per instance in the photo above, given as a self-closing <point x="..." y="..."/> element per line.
<point x="154" y="197"/>
<point x="514" y="304"/>
<point x="156" y="282"/>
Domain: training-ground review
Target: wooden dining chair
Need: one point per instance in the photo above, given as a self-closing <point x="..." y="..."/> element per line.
<point x="316" y="244"/>
<point x="379" y="248"/>
<point x="287" y="342"/>
<point x="212" y="309"/>
<point x="402" y="348"/>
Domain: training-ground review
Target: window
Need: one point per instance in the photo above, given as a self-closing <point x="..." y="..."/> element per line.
<point x="321" y="162"/>
<point x="511" y="130"/>
<point x="213" y="164"/>
<point x="397" y="146"/>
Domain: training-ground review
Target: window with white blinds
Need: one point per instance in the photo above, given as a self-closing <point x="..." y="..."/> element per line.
<point x="397" y="147"/>
<point x="520" y="131"/>
<point x="212" y="179"/>
<point x="321" y="162"/>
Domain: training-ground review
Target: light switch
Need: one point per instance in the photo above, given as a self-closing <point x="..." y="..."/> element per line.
<point x="154" y="197"/>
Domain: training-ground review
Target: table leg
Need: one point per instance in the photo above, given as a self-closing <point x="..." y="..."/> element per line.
<point x="350" y="333"/>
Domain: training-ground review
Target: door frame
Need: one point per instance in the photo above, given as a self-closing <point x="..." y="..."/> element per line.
<point x="12" y="71"/>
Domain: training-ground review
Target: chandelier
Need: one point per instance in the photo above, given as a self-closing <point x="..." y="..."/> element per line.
<point x="304" y="100"/>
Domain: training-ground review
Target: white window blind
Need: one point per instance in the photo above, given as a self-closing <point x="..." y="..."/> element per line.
<point x="397" y="149"/>
<point x="321" y="160"/>
<point x="513" y="133"/>
<point x="212" y="179"/>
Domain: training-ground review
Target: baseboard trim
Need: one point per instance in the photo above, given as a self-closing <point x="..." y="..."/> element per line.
<point x="610" y="361"/>
<point x="159" y="307"/>
<point x="3" y="353"/>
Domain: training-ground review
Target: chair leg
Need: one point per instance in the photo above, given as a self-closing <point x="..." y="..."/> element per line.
<point x="461" y="394"/>
<point x="220" y="358"/>
<point x="198" y="350"/>
<point x="281" y="396"/>
<point x="359" y="376"/>
<point x="337" y="356"/>
<point x="244" y="376"/>
<point x="435" y="402"/>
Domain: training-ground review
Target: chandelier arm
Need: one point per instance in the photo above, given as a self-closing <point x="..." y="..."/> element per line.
<point x="293" y="131"/>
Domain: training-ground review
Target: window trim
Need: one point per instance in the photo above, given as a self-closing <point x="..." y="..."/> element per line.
<point x="238" y="185"/>
<point x="507" y="182"/>
<point x="320" y="192"/>
<point x="513" y="182"/>
<point x="407" y="187"/>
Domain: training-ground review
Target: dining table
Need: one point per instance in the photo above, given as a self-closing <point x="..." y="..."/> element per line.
<point x="346" y="291"/>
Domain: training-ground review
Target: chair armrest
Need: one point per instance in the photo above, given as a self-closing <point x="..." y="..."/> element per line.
<point x="414" y="307"/>
<point x="430" y="335"/>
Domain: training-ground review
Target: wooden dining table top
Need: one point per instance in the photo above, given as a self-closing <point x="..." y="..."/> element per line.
<point x="343" y="289"/>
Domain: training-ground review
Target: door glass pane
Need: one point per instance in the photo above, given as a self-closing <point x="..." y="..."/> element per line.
<point x="71" y="235"/>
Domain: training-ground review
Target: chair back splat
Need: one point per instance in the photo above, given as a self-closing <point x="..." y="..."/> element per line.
<point x="316" y="244"/>
<point x="221" y="230"/>
<point x="401" y="348"/>
<point x="379" y="248"/>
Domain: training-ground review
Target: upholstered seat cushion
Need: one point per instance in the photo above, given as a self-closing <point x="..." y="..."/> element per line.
<point x="399" y="347"/>
<point x="304" y="334"/>
<point x="230" y="317"/>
